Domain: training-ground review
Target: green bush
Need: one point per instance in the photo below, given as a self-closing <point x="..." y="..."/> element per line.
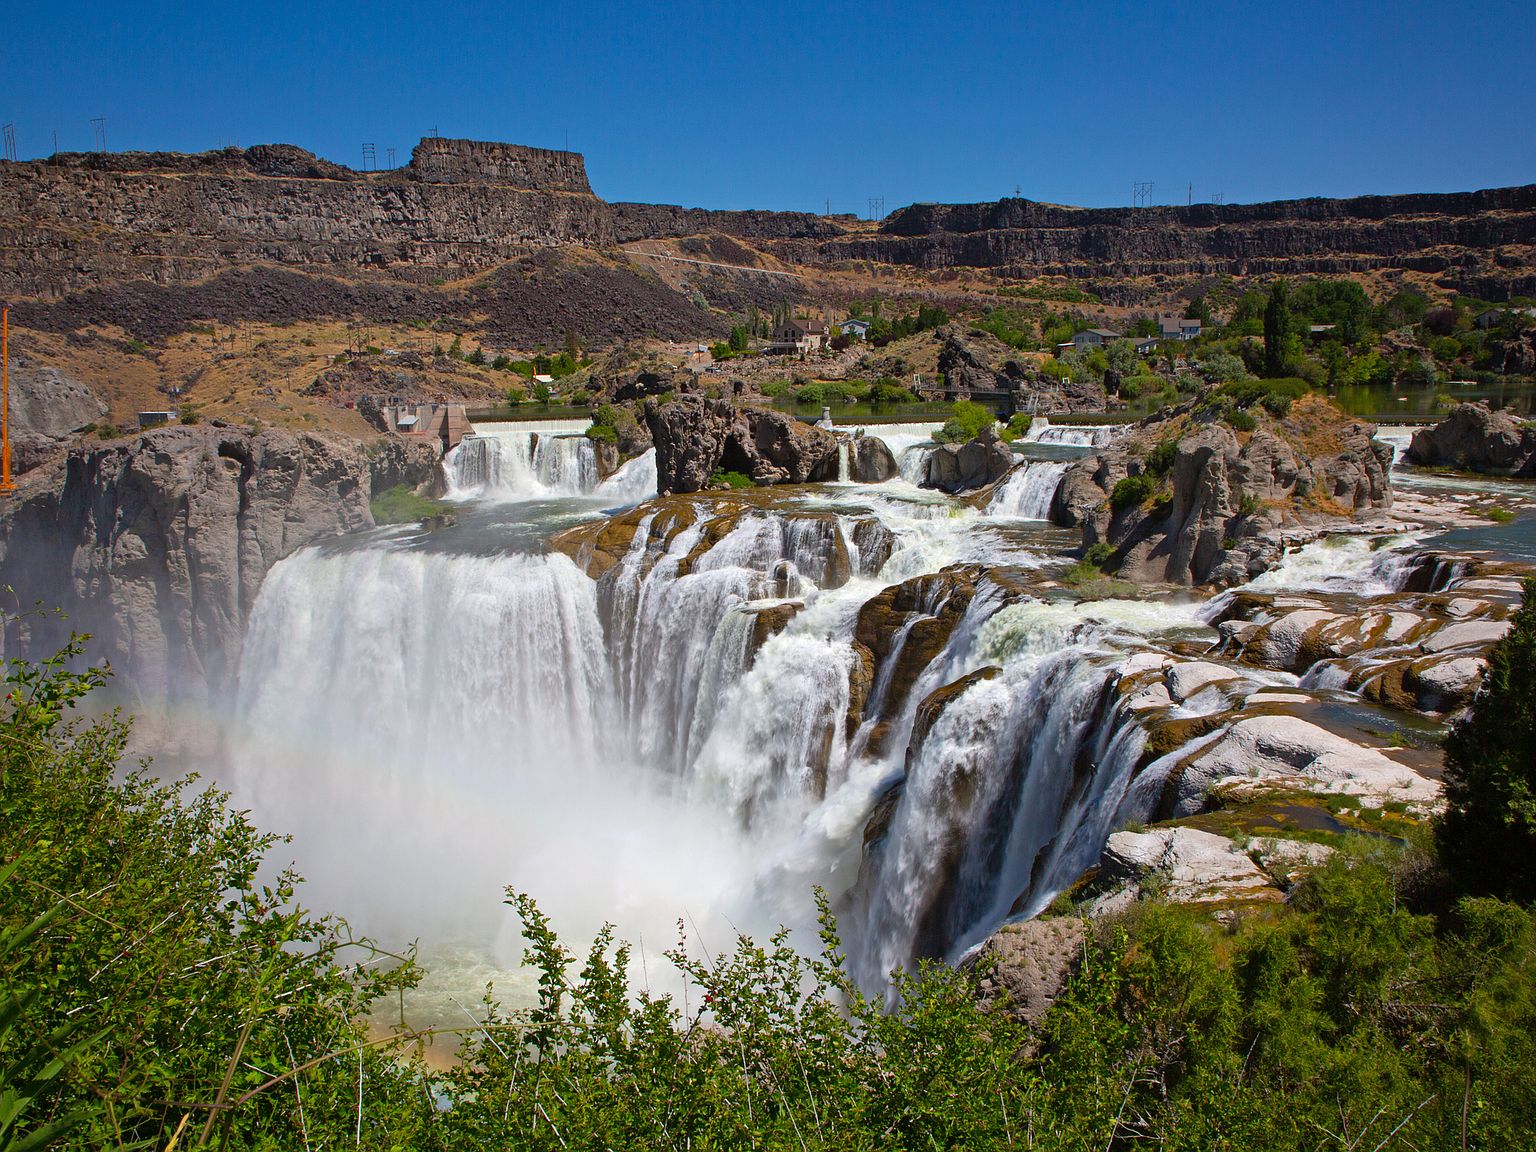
<point x="729" y="479"/>
<point x="605" y="433"/>
<point x="1160" y="459"/>
<point x="1241" y="419"/>
<point x="1131" y="491"/>
<point x="1488" y="833"/>
<point x="967" y="421"/>
<point x="401" y="505"/>
<point x="1100" y="555"/>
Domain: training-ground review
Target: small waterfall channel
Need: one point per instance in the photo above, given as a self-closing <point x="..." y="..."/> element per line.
<point x="523" y="461"/>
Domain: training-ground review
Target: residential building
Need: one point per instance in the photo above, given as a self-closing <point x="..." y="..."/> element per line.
<point x="803" y="336"/>
<point x="855" y="327"/>
<point x="1174" y="327"/>
<point x="1093" y="338"/>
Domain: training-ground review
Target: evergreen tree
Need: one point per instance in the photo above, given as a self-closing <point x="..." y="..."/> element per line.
<point x="1279" y="331"/>
<point x="1487" y="836"/>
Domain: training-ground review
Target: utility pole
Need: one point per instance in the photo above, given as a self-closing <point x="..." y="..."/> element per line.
<point x="1189" y="196"/>
<point x="10" y="142"/>
<point x="370" y="158"/>
<point x="7" y="485"/>
<point x="391" y="153"/>
<point x="1141" y="194"/>
<point x="99" y="124"/>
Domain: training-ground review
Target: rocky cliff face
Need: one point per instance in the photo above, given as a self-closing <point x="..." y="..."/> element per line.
<point x="1214" y="506"/>
<point x="1479" y="440"/>
<point x="47" y="408"/>
<point x="71" y="223"/>
<point x="158" y="544"/>
<point x="1432" y="233"/>
<point x="695" y="438"/>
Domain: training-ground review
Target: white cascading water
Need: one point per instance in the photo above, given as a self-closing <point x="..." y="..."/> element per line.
<point x="1028" y="491"/>
<point x="522" y="461"/>
<point x="1042" y="431"/>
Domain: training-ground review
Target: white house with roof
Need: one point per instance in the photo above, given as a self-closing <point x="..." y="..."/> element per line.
<point x="855" y="327"/>
<point x="1174" y="327"/>
<point x="1093" y="338"/>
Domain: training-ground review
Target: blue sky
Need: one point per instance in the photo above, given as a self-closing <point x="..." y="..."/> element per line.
<point x="788" y="105"/>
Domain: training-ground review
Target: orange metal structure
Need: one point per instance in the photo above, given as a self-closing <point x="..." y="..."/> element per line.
<point x="6" y="483"/>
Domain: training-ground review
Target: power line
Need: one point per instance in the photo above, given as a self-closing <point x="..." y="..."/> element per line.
<point x="370" y="158"/>
<point x="391" y="154"/>
<point x="99" y="124"/>
<point x="877" y="207"/>
<point x="10" y="142"/>
<point x="1141" y="193"/>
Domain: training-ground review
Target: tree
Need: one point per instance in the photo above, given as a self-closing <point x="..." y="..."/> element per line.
<point x="1280" y="346"/>
<point x="1198" y="309"/>
<point x="1487" y="836"/>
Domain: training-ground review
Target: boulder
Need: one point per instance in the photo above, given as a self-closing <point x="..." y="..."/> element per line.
<point x="695" y="438"/>
<point x="1025" y="966"/>
<point x="1194" y="866"/>
<point x="1293" y="752"/>
<point x="47" y="409"/>
<point x="1477" y="439"/>
<point x="965" y="467"/>
<point x="870" y="461"/>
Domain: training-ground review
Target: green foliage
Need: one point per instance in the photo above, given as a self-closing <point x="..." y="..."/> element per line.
<point x="1487" y="836"/>
<point x="888" y="390"/>
<point x="167" y="976"/>
<point x="605" y="424"/>
<point x="401" y="505"/>
<point x="1282" y="346"/>
<point x="1159" y="461"/>
<point x="542" y="392"/>
<point x="477" y="357"/>
<point x="1240" y="419"/>
<point x="1010" y="326"/>
<point x="1249" y="504"/>
<point x="1132" y="491"/>
<point x="515" y="396"/>
<point x="1068" y="293"/>
<point x="502" y="362"/>
<point x="883" y="331"/>
<point x="136" y="346"/>
<point x="1100" y="555"/>
<point x="967" y="421"/>
<point x="734" y="480"/>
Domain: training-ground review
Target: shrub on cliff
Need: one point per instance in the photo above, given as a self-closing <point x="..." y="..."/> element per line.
<point x="1487" y="836"/>
<point x="967" y="421"/>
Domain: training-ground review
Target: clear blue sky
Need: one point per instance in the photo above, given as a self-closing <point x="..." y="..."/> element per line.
<point x="784" y="105"/>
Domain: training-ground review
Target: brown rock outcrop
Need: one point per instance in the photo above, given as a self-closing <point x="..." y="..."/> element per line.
<point x="694" y="438"/>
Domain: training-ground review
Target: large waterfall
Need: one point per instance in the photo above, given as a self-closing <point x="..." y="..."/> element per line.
<point x="854" y="686"/>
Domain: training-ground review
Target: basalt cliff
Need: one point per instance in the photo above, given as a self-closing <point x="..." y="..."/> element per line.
<point x="79" y="221"/>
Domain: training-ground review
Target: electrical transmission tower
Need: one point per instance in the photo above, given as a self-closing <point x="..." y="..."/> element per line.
<point x="99" y="124"/>
<point x="10" y="141"/>
<point x="877" y="207"/>
<point x="1141" y="193"/>
<point x="390" y="152"/>
<point x="370" y="158"/>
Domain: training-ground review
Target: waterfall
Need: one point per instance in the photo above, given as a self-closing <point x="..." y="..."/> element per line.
<point x="1029" y="490"/>
<point x="522" y="462"/>
<point x="1042" y="431"/>
<point x="842" y="461"/>
<point x="633" y="482"/>
<point x="912" y="463"/>
<point x="1356" y="564"/>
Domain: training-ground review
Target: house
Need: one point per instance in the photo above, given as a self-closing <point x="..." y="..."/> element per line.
<point x="1493" y="317"/>
<point x="1146" y="345"/>
<point x="803" y="336"/>
<point x="1093" y="338"/>
<point x="156" y="419"/>
<point x="855" y="327"/>
<point x="1172" y="327"/>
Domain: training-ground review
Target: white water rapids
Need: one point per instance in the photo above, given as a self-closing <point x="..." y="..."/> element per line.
<point x="433" y="725"/>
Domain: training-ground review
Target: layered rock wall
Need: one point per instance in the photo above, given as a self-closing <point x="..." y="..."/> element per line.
<point x="158" y="544"/>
